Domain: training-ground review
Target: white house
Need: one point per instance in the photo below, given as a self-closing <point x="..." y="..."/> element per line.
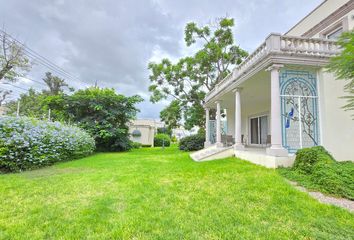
<point x="144" y="130"/>
<point x="281" y="99"/>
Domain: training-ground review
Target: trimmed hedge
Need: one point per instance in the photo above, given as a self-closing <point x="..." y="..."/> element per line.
<point x="192" y="142"/>
<point x="160" y="139"/>
<point x="27" y="143"/>
<point x="307" y="158"/>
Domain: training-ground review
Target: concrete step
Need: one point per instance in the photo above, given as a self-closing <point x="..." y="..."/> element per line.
<point x="212" y="153"/>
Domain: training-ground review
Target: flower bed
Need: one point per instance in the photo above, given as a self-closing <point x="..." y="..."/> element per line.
<point x="27" y="143"/>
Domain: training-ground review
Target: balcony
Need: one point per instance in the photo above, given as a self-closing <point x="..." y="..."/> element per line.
<point x="280" y="49"/>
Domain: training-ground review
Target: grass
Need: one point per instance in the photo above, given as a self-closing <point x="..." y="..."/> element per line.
<point x="156" y="194"/>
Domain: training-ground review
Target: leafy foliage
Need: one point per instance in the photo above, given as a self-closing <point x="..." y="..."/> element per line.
<point x="36" y="104"/>
<point x="187" y="80"/>
<point x="343" y="66"/>
<point x="172" y="115"/>
<point x="105" y="115"/>
<point x="54" y="83"/>
<point x="164" y="130"/>
<point x="136" y="145"/>
<point x="13" y="62"/>
<point x="316" y="169"/>
<point x="162" y="140"/>
<point x="307" y="158"/>
<point x="192" y="143"/>
<point x="28" y="143"/>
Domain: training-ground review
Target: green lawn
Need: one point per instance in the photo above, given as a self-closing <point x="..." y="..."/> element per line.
<point x="156" y="194"/>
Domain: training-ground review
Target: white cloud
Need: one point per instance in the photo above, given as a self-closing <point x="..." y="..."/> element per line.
<point x="112" y="41"/>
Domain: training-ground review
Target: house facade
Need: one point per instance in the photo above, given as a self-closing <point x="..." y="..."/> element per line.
<point x="143" y="131"/>
<point x="281" y="99"/>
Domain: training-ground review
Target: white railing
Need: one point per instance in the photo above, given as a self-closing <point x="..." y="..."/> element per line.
<point x="276" y="43"/>
<point x="309" y="46"/>
<point x="251" y="59"/>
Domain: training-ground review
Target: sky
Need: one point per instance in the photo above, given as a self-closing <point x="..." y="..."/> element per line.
<point x="112" y="41"/>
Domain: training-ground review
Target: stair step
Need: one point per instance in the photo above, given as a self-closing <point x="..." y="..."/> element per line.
<point x="208" y="152"/>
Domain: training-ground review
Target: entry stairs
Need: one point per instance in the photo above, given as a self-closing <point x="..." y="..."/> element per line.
<point x="212" y="153"/>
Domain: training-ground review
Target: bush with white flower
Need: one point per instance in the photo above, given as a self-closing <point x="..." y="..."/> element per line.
<point x="27" y="143"/>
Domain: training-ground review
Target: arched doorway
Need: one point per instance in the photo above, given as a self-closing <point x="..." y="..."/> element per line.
<point x="299" y="109"/>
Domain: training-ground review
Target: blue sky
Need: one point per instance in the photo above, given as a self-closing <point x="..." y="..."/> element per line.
<point x="112" y="41"/>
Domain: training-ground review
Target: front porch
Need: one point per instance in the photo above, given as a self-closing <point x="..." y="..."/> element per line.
<point x="267" y="108"/>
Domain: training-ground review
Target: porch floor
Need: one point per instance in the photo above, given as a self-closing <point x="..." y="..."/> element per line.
<point x="259" y="156"/>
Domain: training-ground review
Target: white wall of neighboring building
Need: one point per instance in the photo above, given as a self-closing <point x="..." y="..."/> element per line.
<point x="337" y="125"/>
<point x="147" y="128"/>
<point x="319" y="14"/>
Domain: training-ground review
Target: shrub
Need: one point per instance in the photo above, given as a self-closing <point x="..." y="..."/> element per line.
<point x="160" y="139"/>
<point x="316" y="169"/>
<point x="307" y="158"/>
<point x="192" y="143"/>
<point x="136" y="145"/>
<point x="336" y="178"/>
<point x="28" y="143"/>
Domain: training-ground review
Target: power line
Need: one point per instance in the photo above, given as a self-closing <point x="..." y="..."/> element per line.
<point x="42" y="60"/>
<point x="37" y="55"/>
<point x="16" y="86"/>
<point x="31" y="79"/>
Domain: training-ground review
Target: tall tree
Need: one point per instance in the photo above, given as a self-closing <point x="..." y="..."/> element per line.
<point x="54" y="83"/>
<point x="343" y="67"/>
<point x="13" y="61"/>
<point x="171" y="115"/>
<point x="105" y="115"/>
<point x="191" y="77"/>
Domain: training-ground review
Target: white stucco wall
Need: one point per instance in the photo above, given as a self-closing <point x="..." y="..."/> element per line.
<point x="316" y="16"/>
<point x="337" y="126"/>
<point x="147" y="128"/>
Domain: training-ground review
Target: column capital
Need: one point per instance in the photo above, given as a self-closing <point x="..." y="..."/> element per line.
<point x="218" y="102"/>
<point x="237" y="89"/>
<point x="274" y="67"/>
<point x="206" y="108"/>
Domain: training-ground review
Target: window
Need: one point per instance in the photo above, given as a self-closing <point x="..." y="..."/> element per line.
<point x="259" y="129"/>
<point x="335" y="34"/>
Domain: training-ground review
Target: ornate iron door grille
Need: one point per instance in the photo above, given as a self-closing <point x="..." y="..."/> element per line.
<point x="299" y="110"/>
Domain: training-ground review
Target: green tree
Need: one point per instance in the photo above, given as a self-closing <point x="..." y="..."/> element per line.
<point x="171" y="115"/>
<point x="37" y="104"/>
<point x="54" y="83"/>
<point x="13" y="61"/>
<point x="191" y="77"/>
<point x="343" y="66"/>
<point x="105" y="115"/>
<point x="30" y="105"/>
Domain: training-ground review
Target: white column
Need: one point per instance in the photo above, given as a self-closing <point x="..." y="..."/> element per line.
<point x="218" y="124"/>
<point x="276" y="148"/>
<point x="207" y="128"/>
<point x="238" y="120"/>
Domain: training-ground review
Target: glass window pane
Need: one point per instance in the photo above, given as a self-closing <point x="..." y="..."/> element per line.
<point x="254" y="131"/>
<point x="335" y="34"/>
<point x="263" y="129"/>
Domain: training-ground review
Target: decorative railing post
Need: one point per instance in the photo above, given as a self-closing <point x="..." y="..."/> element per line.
<point x="273" y="42"/>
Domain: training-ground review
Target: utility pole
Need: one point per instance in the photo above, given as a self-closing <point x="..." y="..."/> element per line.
<point x="18" y="109"/>
<point x="163" y="139"/>
<point x="49" y="114"/>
